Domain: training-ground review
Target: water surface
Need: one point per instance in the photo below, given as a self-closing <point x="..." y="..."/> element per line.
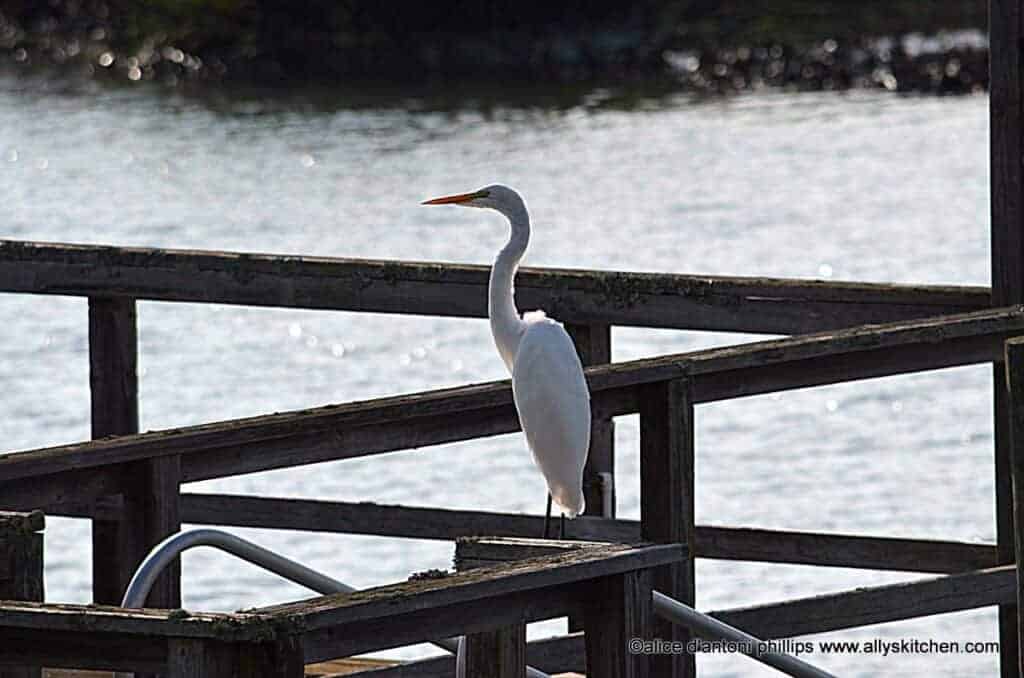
<point x="854" y="186"/>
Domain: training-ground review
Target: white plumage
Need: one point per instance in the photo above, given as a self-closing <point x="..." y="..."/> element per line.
<point x="554" y="408"/>
<point x="547" y="378"/>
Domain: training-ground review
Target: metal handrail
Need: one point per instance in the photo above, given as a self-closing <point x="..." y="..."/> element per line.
<point x="164" y="553"/>
<point x="708" y="627"/>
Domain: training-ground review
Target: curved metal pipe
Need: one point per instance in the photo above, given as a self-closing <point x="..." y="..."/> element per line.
<point x="706" y="626"/>
<point x="164" y="553"/>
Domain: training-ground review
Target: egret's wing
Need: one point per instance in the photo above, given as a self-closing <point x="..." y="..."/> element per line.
<point x="554" y="408"/>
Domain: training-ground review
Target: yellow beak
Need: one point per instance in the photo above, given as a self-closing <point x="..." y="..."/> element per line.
<point x="454" y="199"/>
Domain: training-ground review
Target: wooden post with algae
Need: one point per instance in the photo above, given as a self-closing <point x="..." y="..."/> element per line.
<point x="21" y="569"/>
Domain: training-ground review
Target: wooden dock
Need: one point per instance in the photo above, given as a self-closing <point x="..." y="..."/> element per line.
<point x="133" y="486"/>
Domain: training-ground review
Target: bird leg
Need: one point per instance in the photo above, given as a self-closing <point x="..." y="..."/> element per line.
<point x="561" y="527"/>
<point x="547" y="518"/>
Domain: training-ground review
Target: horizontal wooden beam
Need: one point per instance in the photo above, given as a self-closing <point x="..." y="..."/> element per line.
<point x="480" y="584"/>
<point x="433" y="417"/>
<point x="413" y="522"/>
<point x="768" y="305"/>
<point x="118" y="621"/>
<point x="876" y="604"/>
<point x="842" y="550"/>
<point x="81" y="649"/>
<point x="729" y="543"/>
<point x="467" y="602"/>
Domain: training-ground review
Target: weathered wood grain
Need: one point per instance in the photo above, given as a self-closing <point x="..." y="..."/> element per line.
<point x="467" y="602"/>
<point x="113" y="384"/>
<point x="478" y="584"/>
<point x="667" y="504"/>
<point x="81" y="648"/>
<point x="842" y="550"/>
<point x="497" y="654"/>
<point x="21" y="570"/>
<point x="107" y="619"/>
<point x="386" y="520"/>
<point x="775" y="546"/>
<point x="775" y="306"/>
<point x="617" y="610"/>
<point x="877" y="604"/>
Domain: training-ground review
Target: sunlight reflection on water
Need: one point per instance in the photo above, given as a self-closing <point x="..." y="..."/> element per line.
<point x="849" y="186"/>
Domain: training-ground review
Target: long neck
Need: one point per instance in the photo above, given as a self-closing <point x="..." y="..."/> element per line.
<point x="506" y="326"/>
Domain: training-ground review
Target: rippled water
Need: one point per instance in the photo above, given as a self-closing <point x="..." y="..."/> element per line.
<point x="849" y="186"/>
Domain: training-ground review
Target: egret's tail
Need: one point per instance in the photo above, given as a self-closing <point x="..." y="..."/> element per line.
<point x="570" y="501"/>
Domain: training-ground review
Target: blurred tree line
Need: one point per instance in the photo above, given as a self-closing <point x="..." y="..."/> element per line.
<point x="323" y="39"/>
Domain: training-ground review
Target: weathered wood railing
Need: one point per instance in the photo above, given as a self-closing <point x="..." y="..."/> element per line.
<point x="608" y="585"/>
<point x="78" y="479"/>
<point x="575" y="297"/>
<point x="589" y="302"/>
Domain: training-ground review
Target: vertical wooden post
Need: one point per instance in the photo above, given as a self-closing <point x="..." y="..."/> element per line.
<point x="594" y="344"/>
<point x="21" y="568"/>
<point x="667" y="503"/>
<point x="617" y="611"/>
<point x="1006" y="115"/>
<point x="150" y="508"/>
<point x="1015" y="382"/>
<point x="497" y="654"/>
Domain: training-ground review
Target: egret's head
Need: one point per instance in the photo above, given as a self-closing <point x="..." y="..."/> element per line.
<point x="495" y="197"/>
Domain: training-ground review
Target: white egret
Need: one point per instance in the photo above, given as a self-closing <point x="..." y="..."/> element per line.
<point x="548" y="386"/>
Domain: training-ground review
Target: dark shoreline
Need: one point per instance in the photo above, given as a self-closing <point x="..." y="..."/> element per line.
<point x="701" y="56"/>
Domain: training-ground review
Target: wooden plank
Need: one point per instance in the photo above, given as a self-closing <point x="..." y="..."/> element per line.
<point x="775" y="546"/>
<point x="1006" y="147"/>
<point x="73" y="489"/>
<point x="594" y="344"/>
<point x="109" y="621"/>
<point x="343" y="431"/>
<point x="81" y="648"/>
<point x="776" y="306"/>
<point x="21" y="570"/>
<point x="667" y="504"/>
<point x="497" y="654"/>
<point x="728" y="543"/>
<point x="473" y="552"/>
<point x="618" y="610"/>
<point x="876" y="604"/>
<point x="113" y="383"/>
<point x="157" y="499"/>
<point x="386" y="520"/>
<point x="477" y="584"/>
<point x="192" y="658"/>
<point x="842" y="550"/>
<point x="1014" y="380"/>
